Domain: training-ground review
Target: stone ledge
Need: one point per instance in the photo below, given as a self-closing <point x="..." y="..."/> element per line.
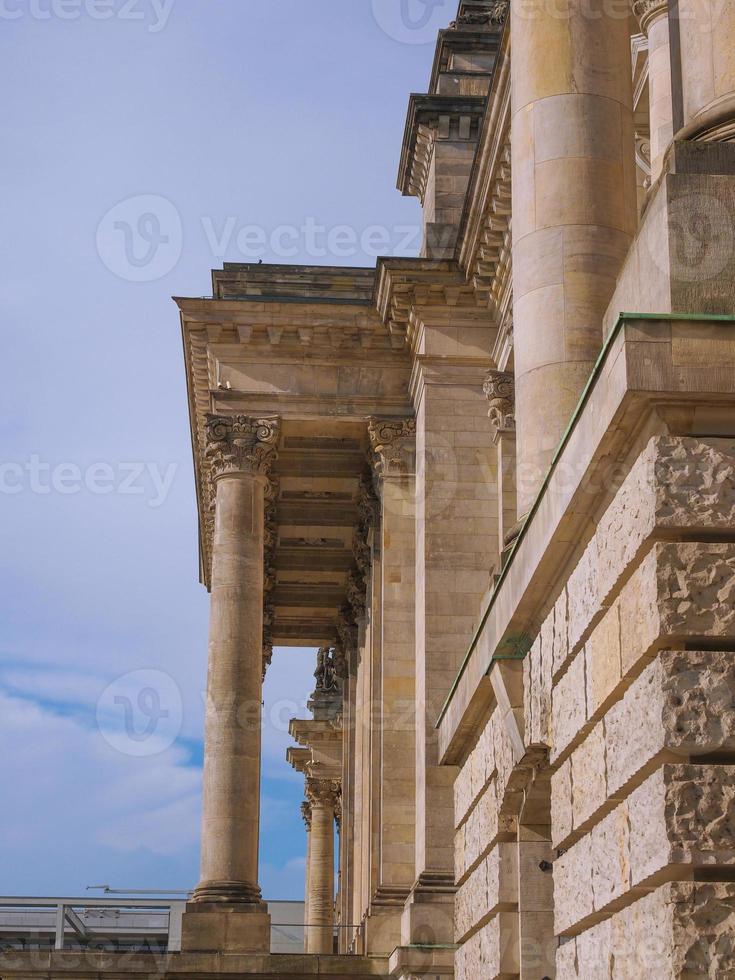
<point x="57" y="965"/>
<point x="642" y="387"/>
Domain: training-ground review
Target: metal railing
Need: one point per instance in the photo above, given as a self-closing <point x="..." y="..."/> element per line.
<point x="131" y="923"/>
<point x="115" y="922"/>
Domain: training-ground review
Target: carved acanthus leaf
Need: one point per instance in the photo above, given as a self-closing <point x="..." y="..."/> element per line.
<point x="648" y="10"/>
<point x="240" y="444"/>
<point x="499" y="387"/>
<point x="393" y="446"/>
<point x="322" y="792"/>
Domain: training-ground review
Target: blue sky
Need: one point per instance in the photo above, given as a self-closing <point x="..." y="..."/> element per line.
<point x="234" y="117"/>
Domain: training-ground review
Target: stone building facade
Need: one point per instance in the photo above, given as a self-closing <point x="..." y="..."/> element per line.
<point x="495" y="486"/>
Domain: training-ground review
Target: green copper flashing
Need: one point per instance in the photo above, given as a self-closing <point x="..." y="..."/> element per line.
<point x="519" y="653"/>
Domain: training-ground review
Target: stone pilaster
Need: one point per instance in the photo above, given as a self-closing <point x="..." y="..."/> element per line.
<point x="393" y="451"/>
<point x="239" y="454"/>
<point x="499" y="387"/>
<point x="456" y="545"/>
<point x="322" y="795"/>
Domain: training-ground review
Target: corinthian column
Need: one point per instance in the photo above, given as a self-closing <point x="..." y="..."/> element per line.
<point x="322" y="795"/>
<point x="574" y="208"/>
<point x="239" y="453"/>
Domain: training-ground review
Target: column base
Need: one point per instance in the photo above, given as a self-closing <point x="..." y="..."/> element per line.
<point x="421" y="962"/>
<point x="382" y="924"/>
<point x="428" y="915"/>
<point x="217" y="927"/>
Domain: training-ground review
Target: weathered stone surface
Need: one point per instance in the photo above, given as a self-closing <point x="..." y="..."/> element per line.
<point x="562" y="815"/>
<point x="560" y="642"/>
<point x="568" y="706"/>
<point x="682" y="814"/>
<point x="537" y="673"/>
<point x="589" y="776"/>
<point x="491" y="952"/>
<point x="603" y="664"/>
<point x="610" y="857"/>
<point x="573" y="894"/>
<point x="583" y="593"/>
<point x="471" y="902"/>
<point x="684" y="702"/>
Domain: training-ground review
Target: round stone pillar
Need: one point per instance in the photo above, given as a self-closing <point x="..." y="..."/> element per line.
<point x="654" y="20"/>
<point x="322" y="795"/>
<point x="706" y="33"/>
<point x="306" y="814"/>
<point x="574" y="207"/>
<point x="240" y="451"/>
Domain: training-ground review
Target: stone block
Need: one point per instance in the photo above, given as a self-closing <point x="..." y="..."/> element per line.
<point x="603" y="666"/>
<point x="502" y="876"/>
<point x="471" y="902"/>
<point x="589" y="776"/>
<point x="683" y="703"/>
<point x="680" y="931"/>
<point x="568" y="707"/>
<point x="560" y="643"/>
<point x="562" y="816"/>
<point x="566" y="961"/>
<point x="225" y="929"/>
<point x="610" y="854"/>
<point x="573" y="894"/>
<point x="537" y="674"/>
<point x="682" y="814"/>
<point x="583" y="594"/>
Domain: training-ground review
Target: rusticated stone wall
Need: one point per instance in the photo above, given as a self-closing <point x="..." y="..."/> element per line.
<point x="629" y="708"/>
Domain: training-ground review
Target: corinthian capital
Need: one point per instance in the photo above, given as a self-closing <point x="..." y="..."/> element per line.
<point x="241" y="444"/>
<point x="306" y="813"/>
<point x="499" y="387"/>
<point x="322" y="792"/>
<point x="649" y="10"/>
<point x="392" y="442"/>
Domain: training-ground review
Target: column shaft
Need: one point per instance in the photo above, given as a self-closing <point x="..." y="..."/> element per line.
<point x="706" y="33"/>
<point x="321" y="879"/>
<point x="574" y="208"/>
<point x="655" y="22"/>
<point x="231" y="798"/>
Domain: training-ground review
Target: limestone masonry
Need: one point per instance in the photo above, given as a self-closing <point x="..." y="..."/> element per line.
<point x="495" y="486"/>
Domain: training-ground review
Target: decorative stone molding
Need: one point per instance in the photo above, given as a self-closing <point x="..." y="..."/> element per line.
<point x="392" y="442"/>
<point x="322" y="792"/>
<point x="306" y="814"/>
<point x="345" y="647"/>
<point x="499" y="387"/>
<point x="649" y="10"/>
<point x="240" y="444"/>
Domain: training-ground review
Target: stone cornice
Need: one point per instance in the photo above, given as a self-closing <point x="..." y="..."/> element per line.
<point x="403" y="284"/>
<point x="431" y="118"/>
<point x="485" y="241"/>
<point x="393" y="445"/>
